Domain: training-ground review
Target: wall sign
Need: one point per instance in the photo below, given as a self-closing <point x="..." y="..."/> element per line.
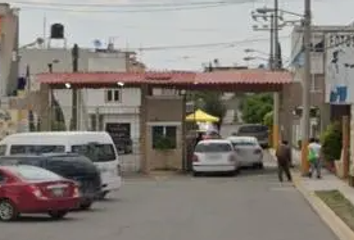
<point x="339" y="68"/>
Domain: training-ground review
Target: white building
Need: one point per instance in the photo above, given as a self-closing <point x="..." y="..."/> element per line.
<point x="98" y="108"/>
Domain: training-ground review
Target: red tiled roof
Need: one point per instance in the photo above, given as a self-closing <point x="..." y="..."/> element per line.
<point x="114" y="77"/>
<point x="244" y="76"/>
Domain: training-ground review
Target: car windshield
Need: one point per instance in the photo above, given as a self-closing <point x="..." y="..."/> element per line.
<point x="213" y="147"/>
<point x="36" y="149"/>
<point x="8" y="161"/>
<point x="96" y="152"/>
<point x="70" y="166"/>
<point x="244" y="143"/>
<point x="34" y="173"/>
<point x="252" y="129"/>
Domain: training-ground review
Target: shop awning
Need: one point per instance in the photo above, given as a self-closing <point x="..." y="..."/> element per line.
<point x="201" y="116"/>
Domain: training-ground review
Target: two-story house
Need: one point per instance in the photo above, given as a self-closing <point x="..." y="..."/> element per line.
<point x="114" y="110"/>
<point x="325" y="111"/>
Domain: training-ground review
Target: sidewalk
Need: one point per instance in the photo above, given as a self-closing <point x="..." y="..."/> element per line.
<point x="308" y="187"/>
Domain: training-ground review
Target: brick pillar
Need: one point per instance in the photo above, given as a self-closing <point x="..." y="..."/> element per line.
<point x="44" y="112"/>
<point x="144" y="165"/>
<point x="346" y="145"/>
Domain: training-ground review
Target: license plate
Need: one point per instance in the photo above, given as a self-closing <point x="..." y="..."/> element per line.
<point x="58" y="192"/>
<point x="213" y="157"/>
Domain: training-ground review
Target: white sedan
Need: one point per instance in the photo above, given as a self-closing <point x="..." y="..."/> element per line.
<point x="215" y="155"/>
<point x="248" y="151"/>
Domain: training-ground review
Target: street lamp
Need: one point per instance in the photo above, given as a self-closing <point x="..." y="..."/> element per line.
<point x="250" y="50"/>
<point x="251" y="58"/>
<point x="266" y="10"/>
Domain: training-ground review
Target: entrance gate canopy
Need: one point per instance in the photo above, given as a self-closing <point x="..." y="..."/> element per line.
<point x="245" y="80"/>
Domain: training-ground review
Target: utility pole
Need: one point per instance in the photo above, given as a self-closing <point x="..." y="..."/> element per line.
<point x="74" y="110"/>
<point x="276" y="100"/>
<point x="306" y="88"/>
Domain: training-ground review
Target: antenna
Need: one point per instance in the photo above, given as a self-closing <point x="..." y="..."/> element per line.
<point x="97" y="44"/>
<point x="44" y="30"/>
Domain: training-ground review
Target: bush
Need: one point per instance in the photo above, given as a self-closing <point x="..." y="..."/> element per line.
<point x="331" y="141"/>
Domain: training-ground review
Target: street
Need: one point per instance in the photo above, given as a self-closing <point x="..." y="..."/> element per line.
<point x="250" y="206"/>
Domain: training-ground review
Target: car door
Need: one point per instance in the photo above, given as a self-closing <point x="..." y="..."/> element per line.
<point x="2" y="182"/>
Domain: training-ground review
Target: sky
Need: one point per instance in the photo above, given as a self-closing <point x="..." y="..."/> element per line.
<point x="220" y="31"/>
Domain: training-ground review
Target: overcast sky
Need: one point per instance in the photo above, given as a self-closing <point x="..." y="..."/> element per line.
<point x="189" y="24"/>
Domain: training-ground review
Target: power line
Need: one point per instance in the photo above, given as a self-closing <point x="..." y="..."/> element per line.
<point x="168" y="9"/>
<point x="203" y="45"/>
<point x="140" y="5"/>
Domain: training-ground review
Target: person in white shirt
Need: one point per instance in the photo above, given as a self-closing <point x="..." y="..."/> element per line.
<point x="315" y="166"/>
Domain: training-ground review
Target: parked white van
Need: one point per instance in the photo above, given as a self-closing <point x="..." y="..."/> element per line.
<point x="98" y="146"/>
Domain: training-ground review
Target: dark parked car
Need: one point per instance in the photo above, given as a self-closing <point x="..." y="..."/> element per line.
<point x="259" y="131"/>
<point x="69" y="165"/>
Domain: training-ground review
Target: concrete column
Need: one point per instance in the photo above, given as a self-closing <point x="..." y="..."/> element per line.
<point x="144" y="165"/>
<point x="276" y="121"/>
<point x="44" y="113"/>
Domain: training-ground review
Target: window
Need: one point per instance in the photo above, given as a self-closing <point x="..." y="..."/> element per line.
<point x="96" y="152"/>
<point x="34" y="173"/>
<point x="2" y="150"/>
<point x="113" y="95"/>
<point x="164" y="133"/>
<point x="36" y="149"/>
<point x="71" y="166"/>
<point x="253" y="129"/>
<point x="2" y="177"/>
<point x="212" y="147"/>
<point x="316" y="83"/>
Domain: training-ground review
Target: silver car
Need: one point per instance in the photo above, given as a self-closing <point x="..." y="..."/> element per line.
<point x="215" y="155"/>
<point x="248" y="151"/>
<point x="260" y="132"/>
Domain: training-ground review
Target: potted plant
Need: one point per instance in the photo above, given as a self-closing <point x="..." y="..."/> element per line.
<point x="165" y="145"/>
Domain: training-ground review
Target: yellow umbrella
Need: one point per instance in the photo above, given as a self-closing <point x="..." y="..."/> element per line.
<point x="200" y="116"/>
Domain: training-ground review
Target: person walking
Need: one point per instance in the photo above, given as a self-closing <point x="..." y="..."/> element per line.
<point x="283" y="155"/>
<point x="314" y="157"/>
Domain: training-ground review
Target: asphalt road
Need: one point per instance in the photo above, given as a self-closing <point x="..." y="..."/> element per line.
<point x="251" y="206"/>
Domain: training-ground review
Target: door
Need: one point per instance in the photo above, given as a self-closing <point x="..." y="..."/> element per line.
<point x="2" y="182"/>
<point x="120" y="134"/>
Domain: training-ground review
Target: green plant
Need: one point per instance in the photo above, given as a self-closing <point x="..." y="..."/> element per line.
<point x="164" y="144"/>
<point x="254" y="107"/>
<point x="268" y="119"/>
<point x="58" y="126"/>
<point x="331" y="141"/>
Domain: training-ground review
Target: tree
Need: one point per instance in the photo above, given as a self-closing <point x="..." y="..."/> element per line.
<point x="212" y="103"/>
<point x="254" y="107"/>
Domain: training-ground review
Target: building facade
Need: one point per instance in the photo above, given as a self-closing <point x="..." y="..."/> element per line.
<point x="325" y="112"/>
<point x="114" y="110"/>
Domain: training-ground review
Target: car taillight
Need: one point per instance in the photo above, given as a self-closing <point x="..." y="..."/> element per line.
<point x="119" y="171"/>
<point x="195" y="158"/>
<point x="232" y="158"/>
<point x="257" y="151"/>
<point x="35" y="191"/>
<point x="76" y="191"/>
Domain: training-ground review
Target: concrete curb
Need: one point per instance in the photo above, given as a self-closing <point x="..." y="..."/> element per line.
<point x="338" y="227"/>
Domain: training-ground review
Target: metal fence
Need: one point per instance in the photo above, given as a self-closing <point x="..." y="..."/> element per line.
<point x="121" y="122"/>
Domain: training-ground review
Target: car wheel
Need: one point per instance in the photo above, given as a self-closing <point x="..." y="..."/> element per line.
<point x="85" y="206"/>
<point x="259" y="166"/>
<point x="8" y="210"/>
<point x="195" y="174"/>
<point x="102" y="195"/>
<point x="57" y="214"/>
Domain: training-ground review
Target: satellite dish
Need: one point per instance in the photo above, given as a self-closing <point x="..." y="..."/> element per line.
<point x="97" y="43"/>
